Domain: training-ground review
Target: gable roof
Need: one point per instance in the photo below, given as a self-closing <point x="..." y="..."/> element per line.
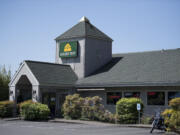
<point x="50" y="74"/>
<point x="155" y="68"/>
<point x="83" y="29"/>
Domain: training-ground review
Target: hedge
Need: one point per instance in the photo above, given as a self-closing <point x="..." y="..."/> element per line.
<point x="72" y="107"/>
<point x="172" y="116"/>
<point x="126" y="110"/>
<point x="175" y="104"/>
<point x="6" y="108"/>
<point x="34" y="111"/>
<point x="89" y="108"/>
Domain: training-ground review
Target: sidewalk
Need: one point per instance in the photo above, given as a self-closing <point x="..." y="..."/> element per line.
<point x="98" y="123"/>
<point x="58" y="120"/>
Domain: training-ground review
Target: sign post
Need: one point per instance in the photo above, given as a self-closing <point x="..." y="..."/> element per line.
<point x="139" y="108"/>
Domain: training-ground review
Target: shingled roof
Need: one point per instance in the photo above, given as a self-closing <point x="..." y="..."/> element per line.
<point x="154" y="68"/>
<point x="50" y="74"/>
<point x="83" y="29"/>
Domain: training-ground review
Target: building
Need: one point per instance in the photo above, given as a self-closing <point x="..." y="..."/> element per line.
<point x="85" y="64"/>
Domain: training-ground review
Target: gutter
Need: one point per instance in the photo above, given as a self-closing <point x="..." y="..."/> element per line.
<point x="125" y="85"/>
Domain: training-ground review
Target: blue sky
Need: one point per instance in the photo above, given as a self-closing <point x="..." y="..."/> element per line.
<point x="28" y="27"/>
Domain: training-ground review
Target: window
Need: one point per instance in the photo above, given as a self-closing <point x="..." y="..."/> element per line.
<point x="172" y="95"/>
<point x="132" y="94"/>
<point x="155" y="98"/>
<point x="113" y="97"/>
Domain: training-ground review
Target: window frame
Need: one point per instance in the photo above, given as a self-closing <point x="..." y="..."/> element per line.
<point x="132" y="92"/>
<point x="164" y="94"/>
<point x="121" y="95"/>
<point x="171" y="92"/>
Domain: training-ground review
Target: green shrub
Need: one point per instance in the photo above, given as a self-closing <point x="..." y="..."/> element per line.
<point x="172" y="119"/>
<point x="89" y="108"/>
<point x="172" y="116"/>
<point x="34" y="111"/>
<point x="126" y="110"/>
<point x="166" y="114"/>
<point x="72" y="106"/>
<point x="87" y="112"/>
<point x="93" y="109"/>
<point x="6" y="108"/>
<point x="175" y="104"/>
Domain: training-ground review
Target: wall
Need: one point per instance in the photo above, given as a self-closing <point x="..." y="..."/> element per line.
<point x="97" y="53"/>
<point x="92" y="54"/>
<point x="101" y="94"/>
<point x="76" y="63"/>
<point x="148" y="110"/>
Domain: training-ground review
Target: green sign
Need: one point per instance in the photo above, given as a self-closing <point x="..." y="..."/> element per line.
<point x="68" y="49"/>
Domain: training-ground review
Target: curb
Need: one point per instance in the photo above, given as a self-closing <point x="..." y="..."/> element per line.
<point x="11" y="119"/>
<point x="80" y="122"/>
<point x="100" y="123"/>
<point x="70" y="122"/>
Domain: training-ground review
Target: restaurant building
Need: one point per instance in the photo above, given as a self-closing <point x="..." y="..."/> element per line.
<point x="85" y="64"/>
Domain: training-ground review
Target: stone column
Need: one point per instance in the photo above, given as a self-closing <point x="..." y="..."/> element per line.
<point x="13" y="97"/>
<point x="12" y="93"/>
<point x="35" y="93"/>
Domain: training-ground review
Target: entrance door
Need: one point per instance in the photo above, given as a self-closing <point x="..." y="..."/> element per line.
<point x="24" y="94"/>
<point x="50" y="100"/>
<point x="61" y="98"/>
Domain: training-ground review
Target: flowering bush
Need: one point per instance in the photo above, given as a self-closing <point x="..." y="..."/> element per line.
<point x="172" y="116"/>
<point x="89" y="108"/>
<point x="72" y="106"/>
<point x="175" y="104"/>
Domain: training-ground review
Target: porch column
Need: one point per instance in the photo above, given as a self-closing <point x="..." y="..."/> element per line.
<point x="13" y="97"/>
<point x="35" y="93"/>
<point x="12" y="93"/>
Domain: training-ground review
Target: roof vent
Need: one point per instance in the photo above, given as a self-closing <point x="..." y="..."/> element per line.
<point x="84" y="19"/>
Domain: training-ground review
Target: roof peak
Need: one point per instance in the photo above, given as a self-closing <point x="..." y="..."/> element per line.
<point x="84" y="19"/>
<point x="83" y="29"/>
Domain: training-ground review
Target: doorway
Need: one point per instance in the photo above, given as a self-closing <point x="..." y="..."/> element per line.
<point x="23" y="89"/>
<point x="61" y="99"/>
<point x="50" y="100"/>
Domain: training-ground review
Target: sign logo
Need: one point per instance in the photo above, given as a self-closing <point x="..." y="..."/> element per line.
<point x="68" y="49"/>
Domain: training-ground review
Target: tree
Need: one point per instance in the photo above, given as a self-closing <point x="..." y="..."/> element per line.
<point x="5" y="77"/>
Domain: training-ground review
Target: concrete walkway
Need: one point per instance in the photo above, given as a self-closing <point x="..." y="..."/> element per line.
<point x="99" y="123"/>
<point x="58" y="120"/>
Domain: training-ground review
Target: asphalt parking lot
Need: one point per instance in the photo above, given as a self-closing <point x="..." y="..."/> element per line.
<point x="48" y="128"/>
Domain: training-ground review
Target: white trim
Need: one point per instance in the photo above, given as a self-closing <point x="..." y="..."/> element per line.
<point x="92" y="89"/>
<point x="17" y="72"/>
<point x="24" y="64"/>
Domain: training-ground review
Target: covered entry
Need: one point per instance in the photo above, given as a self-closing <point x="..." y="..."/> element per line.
<point x="43" y="82"/>
<point x="24" y="89"/>
<point x="24" y="85"/>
